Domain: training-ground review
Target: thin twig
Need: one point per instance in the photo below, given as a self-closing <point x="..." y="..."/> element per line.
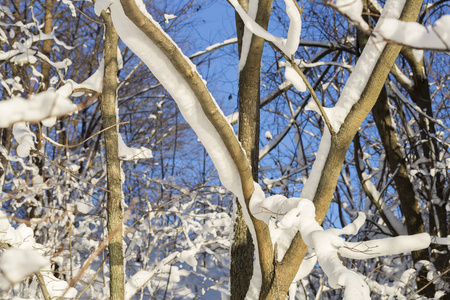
<point x="291" y="60"/>
<point x="93" y="278"/>
<point x="430" y="282"/>
<point x="41" y="281"/>
<point x="76" y="145"/>
<point x="313" y="94"/>
<point x="90" y="19"/>
<point x="68" y="171"/>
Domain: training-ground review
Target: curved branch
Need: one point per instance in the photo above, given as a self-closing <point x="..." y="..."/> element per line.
<point x="196" y="83"/>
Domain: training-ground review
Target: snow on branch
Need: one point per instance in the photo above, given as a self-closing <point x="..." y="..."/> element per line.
<point x="350" y="96"/>
<point x="413" y="34"/>
<point x="39" y="107"/>
<point x="23" y="257"/>
<point x="385" y="246"/>
<point x="127" y="153"/>
<point x="24" y="137"/>
<point x="288" y="45"/>
<point x="363" y="70"/>
<point x="179" y="76"/>
<point x="214" y="47"/>
<point x="174" y="74"/>
<point x="352" y="9"/>
<point x="299" y="214"/>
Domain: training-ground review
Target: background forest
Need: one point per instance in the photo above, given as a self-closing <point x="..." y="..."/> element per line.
<point x="178" y="220"/>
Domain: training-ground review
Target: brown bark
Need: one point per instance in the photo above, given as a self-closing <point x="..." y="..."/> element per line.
<point x="114" y="199"/>
<point x="242" y="250"/>
<point x="212" y="112"/>
<point x="48" y="27"/>
<point x="360" y="169"/>
<point x="409" y="202"/>
<point x="278" y="276"/>
<point x="5" y="141"/>
<point x="342" y="139"/>
<point x="420" y="94"/>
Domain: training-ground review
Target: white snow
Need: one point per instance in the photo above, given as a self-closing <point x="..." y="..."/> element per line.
<point x="233" y="118"/>
<point x="168" y="17"/>
<point x="83" y="207"/>
<point x="214" y="47"/>
<point x="310" y="187"/>
<point x="376" y="5"/>
<point x="188" y="256"/>
<point x="441" y="240"/>
<point x="25" y="257"/>
<point x="299" y="213"/>
<point x="57" y="287"/>
<point x="94" y="83"/>
<point x="285" y="45"/>
<point x="295" y="27"/>
<point x="385" y="246"/>
<point x="413" y="34"/>
<point x="399" y="227"/>
<point x="353" y="9"/>
<point x="403" y="76"/>
<point x="418" y="54"/>
<point x="24" y="137"/>
<point x="17" y="264"/>
<point x="38" y="107"/>
<point x="142" y="277"/>
<point x="101" y="5"/>
<point x="325" y="243"/>
<point x="349" y="96"/>
<point x="247" y="36"/>
<point x="292" y="76"/>
<point x="127" y="153"/>
<point x="363" y="69"/>
<point x="137" y="281"/>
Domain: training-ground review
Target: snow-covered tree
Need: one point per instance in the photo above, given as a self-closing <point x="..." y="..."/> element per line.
<point x="342" y="184"/>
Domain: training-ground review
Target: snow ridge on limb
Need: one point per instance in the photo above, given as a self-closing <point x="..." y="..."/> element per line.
<point x="214" y="47"/>
<point x="179" y="76"/>
<point x="288" y="45"/>
<point x="353" y="10"/>
<point x="413" y="34"/>
<point x="39" y="107"/>
<point x="247" y="37"/>
<point x="353" y="94"/>
<point x="299" y="214"/>
<point x="23" y="257"/>
<point x="363" y="69"/>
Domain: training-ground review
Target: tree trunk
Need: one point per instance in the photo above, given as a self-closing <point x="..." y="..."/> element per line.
<point x="242" y="249"/>
<point x="114" y="199"/>
<point x="5" y="141"/>
<point x="409" y="202"/>
<point x="405" y="190"/>
<point x="47" y="45"/>
<point x="340" y="143"/>
<point x="420" y="94"/>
